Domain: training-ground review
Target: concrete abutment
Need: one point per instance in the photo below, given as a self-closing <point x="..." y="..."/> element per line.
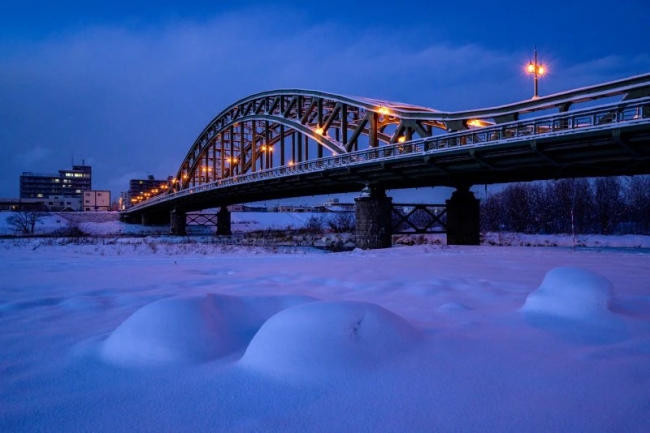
<point x="223" y="222"/>
<point x="463" y="218"/>
<point x="178" y="221"/>
<point x="373" y="210"/>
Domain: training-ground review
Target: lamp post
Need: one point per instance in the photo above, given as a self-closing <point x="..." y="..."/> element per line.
<point x="536" y="69"/>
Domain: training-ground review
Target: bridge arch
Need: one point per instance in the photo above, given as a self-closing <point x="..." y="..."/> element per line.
<point x="286" y="127"/>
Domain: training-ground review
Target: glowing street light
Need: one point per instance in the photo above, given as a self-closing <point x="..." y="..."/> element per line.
<point x="536" y="69"/>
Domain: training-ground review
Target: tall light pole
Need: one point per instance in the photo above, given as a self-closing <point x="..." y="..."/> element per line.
<point x="536" y="69"/>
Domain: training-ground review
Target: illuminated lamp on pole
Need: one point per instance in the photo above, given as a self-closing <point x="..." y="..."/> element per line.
<point x="537" y="70"/>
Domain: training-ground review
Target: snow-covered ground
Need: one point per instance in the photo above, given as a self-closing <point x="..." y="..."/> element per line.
<point x="109" y="225"/>
<point x="147" y="334"/>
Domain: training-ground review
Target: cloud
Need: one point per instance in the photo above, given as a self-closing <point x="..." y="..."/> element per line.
<point x="33" y="156"/>
<point x="135" y="100"/>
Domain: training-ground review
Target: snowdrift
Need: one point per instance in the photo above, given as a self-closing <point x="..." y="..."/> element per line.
<point x="574" y="301"/>
<point x="325" y="339"/>
<point x="192" y="329"/>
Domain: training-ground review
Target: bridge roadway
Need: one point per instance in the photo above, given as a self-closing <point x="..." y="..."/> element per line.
<point x="608" y="140"/>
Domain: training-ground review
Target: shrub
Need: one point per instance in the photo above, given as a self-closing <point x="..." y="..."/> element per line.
<point x="342" y="222"/>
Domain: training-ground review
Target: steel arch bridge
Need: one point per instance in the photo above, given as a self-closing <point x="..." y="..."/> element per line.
<point x="284" y="128"/>
<point x="288" y="127"/>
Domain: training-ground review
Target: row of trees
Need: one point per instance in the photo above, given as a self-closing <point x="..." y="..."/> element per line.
<point x="605" y="205"/>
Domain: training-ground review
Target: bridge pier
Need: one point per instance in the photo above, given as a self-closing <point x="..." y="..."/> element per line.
<point x="373" y="211"/>
<point x="154" y="219"/>
<point x="223" y="222"/>
<point x="463" y="218"/>
<point x="178" y="220"/>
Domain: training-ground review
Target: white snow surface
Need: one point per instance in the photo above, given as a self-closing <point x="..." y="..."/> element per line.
<point x="150" y="335"/>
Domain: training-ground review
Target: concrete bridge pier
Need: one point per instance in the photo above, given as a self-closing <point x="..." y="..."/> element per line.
<point x="373" y="211"/>
<point x="223" y="222"/>
<point x="154" y="219"/>
<point x="463" y="218"/>
<point x="177" y="223"/>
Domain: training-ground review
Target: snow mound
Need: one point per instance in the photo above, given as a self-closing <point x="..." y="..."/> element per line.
<point x="572" y="293"/>
<point x="323" y="339"/>
<point x="453" y="307"/>
<point x="191" y="329"/>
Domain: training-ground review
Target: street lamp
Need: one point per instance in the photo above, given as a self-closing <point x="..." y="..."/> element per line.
<point x="536" y="69"/>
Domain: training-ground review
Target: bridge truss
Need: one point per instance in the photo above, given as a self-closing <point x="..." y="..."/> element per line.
<point x="285" y="128"/>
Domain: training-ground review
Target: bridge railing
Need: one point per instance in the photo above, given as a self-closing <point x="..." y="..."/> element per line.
<point x="605" y="116"/>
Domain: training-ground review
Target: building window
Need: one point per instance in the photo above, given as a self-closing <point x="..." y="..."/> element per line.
<point x="87" y="201"/>
<point x="99" y="193"/>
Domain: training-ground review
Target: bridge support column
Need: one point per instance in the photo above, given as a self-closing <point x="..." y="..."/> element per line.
<point x="154" y="219"/>
<point x="463" y="218"/>
<point x="223" y="222"/>
<point x="178" y="220"/>
<point x="373" y="219"/>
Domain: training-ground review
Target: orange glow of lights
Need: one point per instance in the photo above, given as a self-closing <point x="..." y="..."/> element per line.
<point x="319" y="131"/>
<point x="531" y="69"/>
<point x="383" y="110"/>
<point x="290" y="163"/>
<point x="401" y="139"/>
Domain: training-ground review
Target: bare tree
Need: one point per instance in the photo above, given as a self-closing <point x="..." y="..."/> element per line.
<point x="24" y="221"/>
<point x="608" y="203"/>
<point x="314" y="224"/>
<point x="638" y="202"/>
<point x="342" y="222"/>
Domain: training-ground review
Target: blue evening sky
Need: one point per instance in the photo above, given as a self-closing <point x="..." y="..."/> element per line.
<point x="128" y="85"/>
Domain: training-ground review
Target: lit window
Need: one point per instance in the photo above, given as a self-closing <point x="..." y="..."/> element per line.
<point x="77" y="191"/>
<point x="39" y="195"/>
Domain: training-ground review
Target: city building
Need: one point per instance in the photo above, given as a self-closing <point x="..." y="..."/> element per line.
<point x="96" y="201"/>
<point x="67" y="183"/>
<point x="50" y="204"/>
<point x="141" y="189"/>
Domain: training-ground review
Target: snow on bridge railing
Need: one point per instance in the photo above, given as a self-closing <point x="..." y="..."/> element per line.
<point x="602" y="117"/>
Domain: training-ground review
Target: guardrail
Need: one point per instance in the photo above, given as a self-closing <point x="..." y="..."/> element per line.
<point x="602" y="117"/>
